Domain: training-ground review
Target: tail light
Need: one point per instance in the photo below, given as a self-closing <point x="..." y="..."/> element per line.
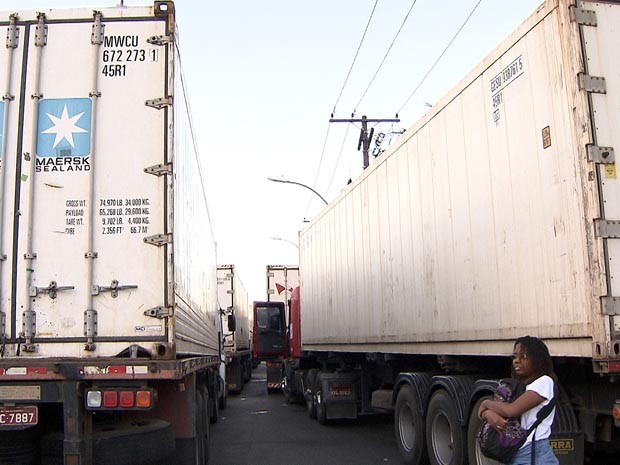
<point x="120" y="398"/>
<point x="615" y="412"/>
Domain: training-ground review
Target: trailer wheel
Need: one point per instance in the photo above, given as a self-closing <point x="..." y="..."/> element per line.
<point x="409" y="427"/>
<point x="247" y="369"/>
<point x="473" y="430"/>
<point x="140" y="442"/>
<point x="202" y="428"/>
<point x="289" y="398"/>
<point x="223" y="393"/>
<point x="19" y="447"/>
<point x="214" y="400"/>
<point x="444" y="436"/>
<point x="321" y="409"/>
<point x="309" y="387"/>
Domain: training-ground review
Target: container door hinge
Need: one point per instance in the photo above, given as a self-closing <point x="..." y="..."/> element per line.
<point x="159" y="170"/>
<point x="40" y="34"/>
<point x="159" y="103"/>
<point x="29" y="329"/>
<point x="90" y="329"/>
<point x="2" y="325"/>
<point x="582" y="16"/>
<point x="599" y="154"/>
<point x="160" y="40"/>
<point x="159" y="239"/>
<point x="610" y="305"/>
<point x="52" y="290"/>
<point x="159" y="312"/>
<point x="593" y="84"/>
<point x="97" y="30"/>
<point x="607" y="229"/>
<point x="12" y="33"/>
<point x="113" y="288"/>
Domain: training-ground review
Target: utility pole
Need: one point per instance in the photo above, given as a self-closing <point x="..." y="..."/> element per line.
<point x="365" y="138"/>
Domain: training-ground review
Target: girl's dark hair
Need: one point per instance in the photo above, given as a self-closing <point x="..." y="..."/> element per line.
<point x="537" y="351"/>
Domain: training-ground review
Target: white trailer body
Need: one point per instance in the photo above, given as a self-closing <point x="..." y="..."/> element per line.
<point x="233" y="303"/>
<point x="494" y="216"/>
<point x="281" y="280"/>
<point x="94" y="194"/>
<point x="108" y="267"/>
<point x="233" y="298"/>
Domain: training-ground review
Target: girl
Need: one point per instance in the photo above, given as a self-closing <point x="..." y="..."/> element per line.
<point x="531" y="364"/>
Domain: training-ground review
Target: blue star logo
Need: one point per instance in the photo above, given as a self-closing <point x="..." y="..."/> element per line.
<point x="64" y="127"/>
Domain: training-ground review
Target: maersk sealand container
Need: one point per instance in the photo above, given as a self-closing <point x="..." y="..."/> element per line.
<point x="108" y="301"/>
<point x="495" y="216"/>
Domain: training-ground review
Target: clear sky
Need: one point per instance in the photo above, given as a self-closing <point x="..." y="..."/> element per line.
<point x="264" y="77"/>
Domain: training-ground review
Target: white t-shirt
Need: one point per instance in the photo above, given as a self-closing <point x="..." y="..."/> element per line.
<point x="543" y="386"/>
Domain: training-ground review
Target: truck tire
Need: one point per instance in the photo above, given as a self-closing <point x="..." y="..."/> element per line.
<point x="203" y="432"/>
<point x="321" y="408"/>
<point x="214" y="400"/>
<point x="409" y="427"/>
<point x="445" y="438"/>
<point x="289" y="398"/>
<point x="141" y="442"/>
<point x="247" y="369"/>
<point x="200" y="430"/>
<point x="19" y="447"/>
<point x="309" y="386"/>
<point x="473" y="430"/>
<point x="223" y="396"/>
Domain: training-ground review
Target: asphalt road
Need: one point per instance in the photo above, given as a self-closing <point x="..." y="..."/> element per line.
<point x="257" y="428"/>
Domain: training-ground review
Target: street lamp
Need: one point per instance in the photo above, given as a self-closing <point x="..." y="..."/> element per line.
<point x="285" y="240"/>
<point x="286" y="181"/>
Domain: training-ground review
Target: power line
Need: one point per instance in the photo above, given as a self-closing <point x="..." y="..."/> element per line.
<point x="338" y="159"/>
<point x="318" y="170"/>
<point x="385" y="56"/>
<point x="440" y="57"/>
<point x="355" y="57"/>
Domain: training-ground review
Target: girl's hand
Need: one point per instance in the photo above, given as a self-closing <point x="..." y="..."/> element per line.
<point x="483" y="407"/>
<point x="496" y="421"/>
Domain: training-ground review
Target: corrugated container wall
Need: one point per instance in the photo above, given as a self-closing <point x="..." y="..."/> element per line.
<point x="105" y="226"/>
<point x="477" y="226"/>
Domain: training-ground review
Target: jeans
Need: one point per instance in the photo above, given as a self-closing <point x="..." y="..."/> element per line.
<point x="544" y="454"/>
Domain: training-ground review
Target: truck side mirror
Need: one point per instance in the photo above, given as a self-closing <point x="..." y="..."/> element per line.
<point x="232" y="323"/>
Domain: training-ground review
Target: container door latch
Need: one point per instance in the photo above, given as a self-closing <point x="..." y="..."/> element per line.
<point x="52" y="290"/>
<point x="113" y="288"/>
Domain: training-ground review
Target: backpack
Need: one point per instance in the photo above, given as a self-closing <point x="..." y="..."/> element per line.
<point x="502" y="446"/>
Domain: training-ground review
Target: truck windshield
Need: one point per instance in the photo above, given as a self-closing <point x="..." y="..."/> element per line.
<point x="268" y="318"/>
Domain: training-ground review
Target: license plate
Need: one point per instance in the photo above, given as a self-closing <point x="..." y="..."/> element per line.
<point x="19" y="416"/>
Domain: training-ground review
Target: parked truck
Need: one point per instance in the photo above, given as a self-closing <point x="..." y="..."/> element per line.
<point x="495" y="216"/>
<point x="233" y="302"/>
<point x="271" y="317"/>
<point x="109" y="327"/>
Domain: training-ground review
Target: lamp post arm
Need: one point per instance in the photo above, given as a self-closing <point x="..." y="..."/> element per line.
<point x="286" y="181"/>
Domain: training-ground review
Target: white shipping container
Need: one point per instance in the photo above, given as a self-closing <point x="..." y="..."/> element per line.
<point x="232" y="297"/>
<point x="492" y="217"/>
<point x="281" y="280"/>
<point x="104" y="220"/>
